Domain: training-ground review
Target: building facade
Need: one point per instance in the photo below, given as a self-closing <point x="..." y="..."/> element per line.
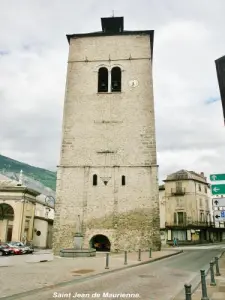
<point x="107" y="177"/>
<point x="188" y="207"/>
<point x="162" y="209"/>
<point x="17" y="209"/>
<point x="43" y="222"/>
<point x="24" y="214"/>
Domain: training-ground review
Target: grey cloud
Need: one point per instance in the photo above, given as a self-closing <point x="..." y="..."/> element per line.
<point x="188" y="38"/>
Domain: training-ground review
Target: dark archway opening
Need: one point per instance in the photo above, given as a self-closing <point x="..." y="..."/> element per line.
<point x="116" y="79"/>
<point x="100" y="243"/>
<point x="95" y="179"/>
<point x="103" y="80"/>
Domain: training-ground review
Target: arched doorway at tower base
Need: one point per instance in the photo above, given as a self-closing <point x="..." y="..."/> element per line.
<point x="100" y="242"/>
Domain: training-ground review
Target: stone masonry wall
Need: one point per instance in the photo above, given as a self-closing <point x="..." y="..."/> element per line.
<point x="129" y="220"/>
<point x="110" y="135"/>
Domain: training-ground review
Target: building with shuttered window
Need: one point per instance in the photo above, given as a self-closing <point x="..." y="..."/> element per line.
<point x="186" y="209"/>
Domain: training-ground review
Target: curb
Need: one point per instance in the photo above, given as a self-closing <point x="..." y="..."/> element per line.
<point x="198" y="245"/>
<point x="196" y="281"/>
<point x="74" y="281"/>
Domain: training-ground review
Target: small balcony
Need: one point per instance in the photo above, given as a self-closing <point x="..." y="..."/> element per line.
<point x="178" y="191"/>
<point x="189" y="224"/>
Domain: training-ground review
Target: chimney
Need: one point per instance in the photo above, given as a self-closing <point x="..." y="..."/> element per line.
<point x="203" y="175"/>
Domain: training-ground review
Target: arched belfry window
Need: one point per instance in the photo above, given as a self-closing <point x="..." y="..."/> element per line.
<point x="123" y="180"/>
<point x="103" y="80"/>
<point x="116" y="79"/>
<point x="95" y="179"/>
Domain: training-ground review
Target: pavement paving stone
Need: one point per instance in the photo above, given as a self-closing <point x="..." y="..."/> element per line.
<point x="221" y="286"/>
<point x="21" y="276"/>
<point x="218" y="296"/>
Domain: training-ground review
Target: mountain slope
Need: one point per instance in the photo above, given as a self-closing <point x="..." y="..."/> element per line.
<point x="11" y="166"/>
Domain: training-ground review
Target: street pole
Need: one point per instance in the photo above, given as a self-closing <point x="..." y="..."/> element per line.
<point x="125" y="257"/>
<point x="213" y="282"/>
<point x="139" y="255"/>
<point x="217" y="266"/>
<point x="187" y="291"/>
<point x="107" y="261"/>
<point x="204" y="288"/>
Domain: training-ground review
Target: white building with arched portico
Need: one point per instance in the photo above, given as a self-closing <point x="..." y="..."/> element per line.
<point x="25" y="214"/>
<point x="17" y="210"/>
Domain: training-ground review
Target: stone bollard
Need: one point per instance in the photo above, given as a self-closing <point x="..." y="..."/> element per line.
<point x="150" y="253"/>
<point x="187" y="291"/>
<point x="107" y="261"/>
<point x="204" y="288"/>
<point x="212" y="282"/>
<point x="139" y="255"/>
<point x="125" y="257"/>
<point x="217" y="266"/>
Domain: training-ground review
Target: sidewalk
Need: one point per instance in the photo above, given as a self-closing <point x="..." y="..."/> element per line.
<point x="217" y="292"/>
<point x="167" y="246"/>
<point x="22" y="277"/>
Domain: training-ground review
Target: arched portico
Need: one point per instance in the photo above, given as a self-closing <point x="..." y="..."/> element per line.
<point x="100" y="242"/>
<point x="6" y="222"/>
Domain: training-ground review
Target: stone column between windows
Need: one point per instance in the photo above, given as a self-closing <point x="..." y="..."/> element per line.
<point x="109" y="82"/>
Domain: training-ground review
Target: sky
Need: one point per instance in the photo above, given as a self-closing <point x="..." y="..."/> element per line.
<point x="189" y="37"/>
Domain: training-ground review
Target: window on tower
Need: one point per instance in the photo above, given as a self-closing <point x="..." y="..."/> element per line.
<point x="95" y="179"/>
<point x="123" y="180"/>
<point x="103" y="81"/>
<point x="116" y="80"/>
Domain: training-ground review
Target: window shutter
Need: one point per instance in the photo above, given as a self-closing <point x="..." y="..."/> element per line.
<point x="185" y="217"/>
<point x="175" y="218"/>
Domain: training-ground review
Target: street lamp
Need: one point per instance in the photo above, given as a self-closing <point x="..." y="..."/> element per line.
<point x="50" y="201"/>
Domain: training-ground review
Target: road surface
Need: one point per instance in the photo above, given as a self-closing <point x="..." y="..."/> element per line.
<point x="161" y="280"/>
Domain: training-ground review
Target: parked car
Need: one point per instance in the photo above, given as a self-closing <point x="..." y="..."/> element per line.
<point x="16" y="250"/>
<point x="8" y="247"/>
<point x="19" y="245"/>
<point x="5" y="250"/>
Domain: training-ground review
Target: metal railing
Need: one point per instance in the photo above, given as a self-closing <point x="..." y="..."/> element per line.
<point x="178" y="191"/>
<point x="189" y="224"/>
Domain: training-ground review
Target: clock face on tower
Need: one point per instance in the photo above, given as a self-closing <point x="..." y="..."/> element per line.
<point x="133" y="83"/>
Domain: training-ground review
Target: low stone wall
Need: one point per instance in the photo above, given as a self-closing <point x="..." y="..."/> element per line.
<point x="77" y="253"/>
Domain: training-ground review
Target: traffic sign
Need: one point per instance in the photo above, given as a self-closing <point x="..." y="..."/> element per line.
<point x="218" y="202"/>
<point x="218" y="189"/>
<point x="219" y="215"/>
<point x="217" y="177"/>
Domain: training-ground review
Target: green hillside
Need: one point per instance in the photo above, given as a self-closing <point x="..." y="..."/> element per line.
<point x="46" y="177"/>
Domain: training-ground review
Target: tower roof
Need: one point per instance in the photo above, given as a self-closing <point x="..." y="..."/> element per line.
<point x="186" y="175"/>
<point x="114" y="26"/>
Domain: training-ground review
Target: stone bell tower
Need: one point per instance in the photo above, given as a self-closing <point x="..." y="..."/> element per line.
<point x="108" y="169"/>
